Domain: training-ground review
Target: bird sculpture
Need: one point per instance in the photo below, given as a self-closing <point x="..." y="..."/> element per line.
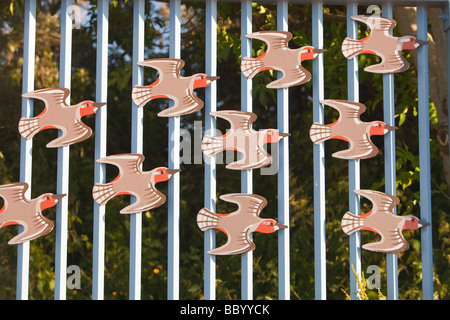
<point x="243" y="138"/>
<point x="382" y="220"/>
<point x="131" y="180"/>
<point x="58" y="114"/>
<point x="171" y="85"/>
<point x="350" y="128"/>
<point x="280" y="57"/>
<point x="18" y="210"/>
<point x="239" y="224"/>
<point x="380" y="42"/>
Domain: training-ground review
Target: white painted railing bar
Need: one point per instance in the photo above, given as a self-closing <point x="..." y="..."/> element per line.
<point x="62" y="183"/>
<point x="283" y="171"/>
<point x="246" y="175"/>
<point x="424" y="154"/>
<point x="319" y="157"/>
<point x="137" y="115"/>
<point x="390" y="164"/>
<point x="26" y="146"/>
<point x="353" y="165"/>
<point x="210" y="162"/>
<point x="101" y="93"/>
<point x="173" y="198"/>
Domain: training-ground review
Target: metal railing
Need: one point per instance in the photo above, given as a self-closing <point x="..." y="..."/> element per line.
<point x="209" y="123"/>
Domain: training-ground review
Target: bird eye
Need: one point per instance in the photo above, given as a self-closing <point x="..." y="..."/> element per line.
<point x="270" y="133"/>
<point x="377" y="124"/>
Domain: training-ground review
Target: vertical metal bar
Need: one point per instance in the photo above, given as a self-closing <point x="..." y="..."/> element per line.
<point x="283" y="171"/>
<point x="389" y="164"/>
<point x="246" y="175"/>
<point x="210" y="165"/>
<point x="137" y="115"/>
<point x="353" y="165"/>
<point x="62" y="185"/>
<point x="174" y="163"/>
<point x="26" y="146"/>
<point x="100" y="149"/>
<point x="319" y="157"/>
<point x="424" y="154"/>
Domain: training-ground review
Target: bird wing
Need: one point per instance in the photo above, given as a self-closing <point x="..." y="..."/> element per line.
<point x="148" y="199"/>
<point x="274" y="39"/>
<point x="348" y="110"/>
<point x="36" y="226"/>
<point x="362" y="148"/>
<point x="377" y="23"/>
<point x="247" y="203"/>
<point x="52" y="97"/>
<point x="128" y="163"/>
<point x="237" y="119"/>
<point x="294" y="77"/>
<point x="390" y="64"/>
<point x="165" y="66"/>
<point x="237" y="242"/>
<point x="77" y="132"/>
<point x="184" y="103"/>
<point x="253" y="157"/>
<point x="393" y="241"/>
<point x="13" y="192"/>
<point x="382" y="202"/>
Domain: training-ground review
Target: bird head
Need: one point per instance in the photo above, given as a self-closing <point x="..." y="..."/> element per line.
<point x="310" y="53"/>
<point x="89" y="107"/>
<point x="273" y="136"/>
<point x="49" y="200"/>
<point x="163" y="174"/>
<point x="202" y="80"/>
<point x="413" y="223"/>
<point x="269" y="226"/>
<point x="380" y="128"/>
<point x="410" y="43"/>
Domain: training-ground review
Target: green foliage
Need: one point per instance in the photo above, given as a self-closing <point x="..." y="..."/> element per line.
<point x="154" y="246"/>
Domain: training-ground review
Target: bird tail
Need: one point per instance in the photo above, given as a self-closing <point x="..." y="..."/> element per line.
<point x="102" y="192"/>
<point x="212" y="145"/>
<point x="319" y="133"/>
<point x="206" y="219"/>
<point x="28" y="127"/>
<point x="351" y="223"/>
<point x="351" y="48"/>
<point x="250" y="67"/>
<point x="141" y="95"/>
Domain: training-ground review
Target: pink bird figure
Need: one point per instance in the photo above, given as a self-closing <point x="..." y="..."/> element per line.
<point x="239" y="224"/>
<point x="380" y="42"/>
<point x="280" y="57"/>
<point x="172" y="85"/>
<point x="17" y="209"/>
<point x="382" y="220"/>
<point x="58" y="114"/>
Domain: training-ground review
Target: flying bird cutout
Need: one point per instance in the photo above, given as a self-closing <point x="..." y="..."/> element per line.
<point x="58" y="114"/>
<point x="131" y="180"/>
<point x="243" y="138"/>
<point x="382" y="220"/>
<point x="381" y="43"/>
<point x="350" y="128"/>
<point x="280" y="57"/>
<point x="239" y="224"/>
<point x="171" y="85"/>
<point x="18" y="210"/>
